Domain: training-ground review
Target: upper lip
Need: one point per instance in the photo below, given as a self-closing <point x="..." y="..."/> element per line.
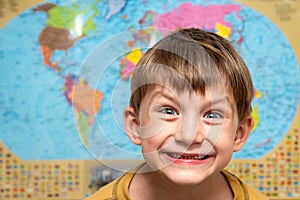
<point x="193" y="150"/>
<point x="187" y="154"/>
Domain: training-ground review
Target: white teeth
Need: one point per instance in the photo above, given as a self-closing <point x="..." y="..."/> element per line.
<point x="180" y="156"/>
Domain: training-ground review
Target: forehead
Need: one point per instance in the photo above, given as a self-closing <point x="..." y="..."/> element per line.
<point x="215" y="93"/>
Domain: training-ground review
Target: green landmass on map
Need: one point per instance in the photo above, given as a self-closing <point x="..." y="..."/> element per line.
<point x="74" y="18"/>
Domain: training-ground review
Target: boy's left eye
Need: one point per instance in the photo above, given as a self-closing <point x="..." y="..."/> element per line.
<point x="169" y="111"/>
<point x="213" y="115"/>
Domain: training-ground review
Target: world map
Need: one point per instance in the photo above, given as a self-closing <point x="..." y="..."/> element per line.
<point x="66" y="67"/>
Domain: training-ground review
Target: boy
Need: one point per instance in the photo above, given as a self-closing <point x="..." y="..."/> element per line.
<point x="190" y="109"/>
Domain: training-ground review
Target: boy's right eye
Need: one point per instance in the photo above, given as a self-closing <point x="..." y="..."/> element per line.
<point x="169" y="111"/>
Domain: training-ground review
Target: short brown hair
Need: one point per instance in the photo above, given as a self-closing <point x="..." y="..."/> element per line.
<point x="195" y="59"/>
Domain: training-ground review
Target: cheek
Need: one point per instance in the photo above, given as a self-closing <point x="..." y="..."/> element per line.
<point x="152" y="127"/>
<point x="150" y="150"/>
<point x="222" y="137"/>
<point x="155" y="137"/>
<point x="224" y="144"/>
<point x="214" y="134"/>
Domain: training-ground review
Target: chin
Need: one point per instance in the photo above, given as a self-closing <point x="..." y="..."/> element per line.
<point x="186" y="178"/>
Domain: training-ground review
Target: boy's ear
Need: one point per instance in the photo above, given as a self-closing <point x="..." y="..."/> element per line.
<point x="131" y="125"/>
<point x="242" y="132"/>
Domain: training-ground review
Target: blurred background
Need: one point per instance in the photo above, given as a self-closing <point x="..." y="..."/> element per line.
<point x="65" y="70"/>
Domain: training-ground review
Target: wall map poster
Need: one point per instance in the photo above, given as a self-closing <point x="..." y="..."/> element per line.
<point x="66" y="66"/>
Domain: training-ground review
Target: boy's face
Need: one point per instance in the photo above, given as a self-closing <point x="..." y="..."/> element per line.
<point x="187" y="137"/>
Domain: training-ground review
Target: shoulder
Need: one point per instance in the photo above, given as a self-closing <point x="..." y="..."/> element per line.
<point x="117" y="189"/>
<point x="241" y="190"/>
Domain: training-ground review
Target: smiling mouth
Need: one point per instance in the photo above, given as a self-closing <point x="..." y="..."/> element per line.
<point x="182" y="156"/>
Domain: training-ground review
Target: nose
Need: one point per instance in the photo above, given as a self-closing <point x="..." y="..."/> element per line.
<point x="191" y="130"/>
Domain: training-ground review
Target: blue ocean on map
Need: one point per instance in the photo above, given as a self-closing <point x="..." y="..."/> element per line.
<point x="66" y="66"/>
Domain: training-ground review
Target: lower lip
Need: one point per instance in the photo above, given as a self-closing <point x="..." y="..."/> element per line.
<point x="188" y="161"/>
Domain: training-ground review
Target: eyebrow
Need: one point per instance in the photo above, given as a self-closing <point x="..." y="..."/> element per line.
<point x="163" y="92"/>
<point x="225" y="100"/>
<point x="220" y="100"/>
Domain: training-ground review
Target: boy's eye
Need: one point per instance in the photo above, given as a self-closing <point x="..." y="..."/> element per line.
<point x="213" y="115"/>
<point x="169" y="111"/>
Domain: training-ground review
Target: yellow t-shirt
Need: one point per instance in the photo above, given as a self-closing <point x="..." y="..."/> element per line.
<point x="118" y="189"/>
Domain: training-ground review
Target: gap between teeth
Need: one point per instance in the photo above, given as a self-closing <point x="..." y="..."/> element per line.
<point x="179" y="156"/>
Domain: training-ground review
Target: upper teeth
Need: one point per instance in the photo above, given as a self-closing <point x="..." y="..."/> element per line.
<point x="180" y="156"/>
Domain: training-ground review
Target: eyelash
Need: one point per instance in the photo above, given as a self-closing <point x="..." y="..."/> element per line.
<point x="213" y="115"/>
<point x="209" y="115"/>
<point x="167" y="109"/>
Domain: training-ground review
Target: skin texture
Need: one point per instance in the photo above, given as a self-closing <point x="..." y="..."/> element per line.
<point x="186" y="139"/>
